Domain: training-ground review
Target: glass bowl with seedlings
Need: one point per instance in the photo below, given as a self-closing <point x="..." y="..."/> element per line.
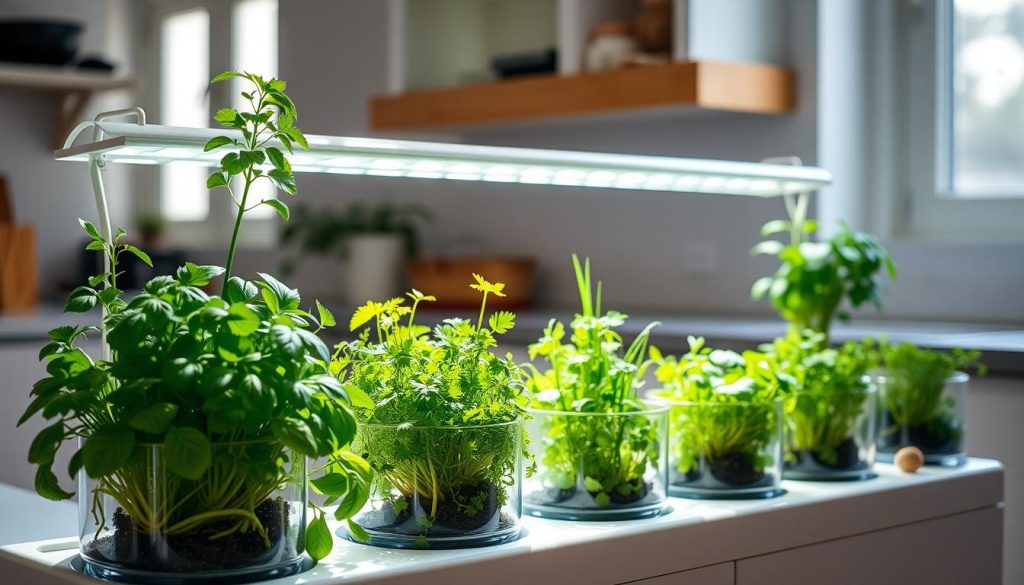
<point x="196" y="423"/>
<point x="441" y="425"/>
<point x="924" y="402"/>
<point x="830" y="412"/>
<point x="599" y="449"/>
<point x="725" y="422"/>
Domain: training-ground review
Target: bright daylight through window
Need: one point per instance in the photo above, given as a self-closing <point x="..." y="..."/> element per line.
<point x="985" y="72"/>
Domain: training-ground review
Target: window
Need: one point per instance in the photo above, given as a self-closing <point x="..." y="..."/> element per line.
<point x="186" y="59"/>
<point x="982" y="70"/>
<point x="958" y="125"/>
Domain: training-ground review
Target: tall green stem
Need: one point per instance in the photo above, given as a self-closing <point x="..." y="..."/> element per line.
<point x="234" y="233"/>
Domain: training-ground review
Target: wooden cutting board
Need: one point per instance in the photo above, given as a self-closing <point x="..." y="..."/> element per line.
<point x="19" y="285"/>
<point x="19" y="282"/>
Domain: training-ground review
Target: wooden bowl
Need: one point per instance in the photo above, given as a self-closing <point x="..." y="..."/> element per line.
<point x="449" y="280"/>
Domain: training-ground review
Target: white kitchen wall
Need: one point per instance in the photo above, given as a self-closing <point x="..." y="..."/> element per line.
<point x="48" y="194"/>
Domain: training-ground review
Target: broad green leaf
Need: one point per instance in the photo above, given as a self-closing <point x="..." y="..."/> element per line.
<point x="48" y="487"/>
<point x="155" y="418"/>
<point x="81" y="300"/>
<point x="139" y="254"/>
<point x="364" y="315"/>
<point x="358" y="532"/>
<point x="318" y="538"/>
<point x="279" y="207"/>
<point x="242" y="320"/>
<point x="296" y="434"/>
<point x="592" y="484"/>
<point x="90" y="230"/>
<point x="107" y="449"/>
<point x="770" y="247"/>
<point x="284" y="180"/>
<point x="357" y="397"/>
<point x="502" y="321"/>
<point x="227" y="117"/>
<point x="44" y="447"/>
<point x="330" y="484"/>
<point x="187" y="452"/>
<point x="326" y="316"/>
<point x="225" y="75"/>
<point x="287" y="340"/>
<point x="760" y="287"/>
<point x="217" y="142"/>
<point x="218" y="179"/>
<point x="775" y="226"/>
<point x="96" y="246"/>
<point x="194" y="275"/>
<point x="278" y="160"/>
<point x="287" y="298"/>
<point x="239" y="290"/>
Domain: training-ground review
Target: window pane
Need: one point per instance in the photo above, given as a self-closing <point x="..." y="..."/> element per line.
<point x="254" y="49"/>
<point x="184" y="74"/>
<point x="988" y="98"/>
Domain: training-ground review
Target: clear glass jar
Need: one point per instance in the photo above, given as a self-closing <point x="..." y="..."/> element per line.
<point x="725" y="450"/>
<point x="933" y="419"/>
<point x="442" y="487"/>
<point x="831" y="437"/>
<point x="244" y="518"/>
<point x="598" y="466"/>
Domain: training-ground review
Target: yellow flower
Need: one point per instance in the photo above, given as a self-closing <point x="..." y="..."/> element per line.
<point x="486" y="287"/>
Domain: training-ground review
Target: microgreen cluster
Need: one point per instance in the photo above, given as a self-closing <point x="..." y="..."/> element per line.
<point x="915" y="380"/>
<point x="830" y="390"/>
<point x="593" y="374"/>
<point x="233" y="388"/>
<point x="815" y="278"/>
<point x="725" y="406"/>
<point x="413" y="387"/>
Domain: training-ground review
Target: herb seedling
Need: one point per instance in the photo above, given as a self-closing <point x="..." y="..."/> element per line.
<point x="434" y="404"/>
<point x="827" y="405"/>
<point x="815" y="278"/>
<point x="917" y="411"/>
<point x="607" y="456"/>
<point x="226" y="385"/>
<point x="724" y="419"/>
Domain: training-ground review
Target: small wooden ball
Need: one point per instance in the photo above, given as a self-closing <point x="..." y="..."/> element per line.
<point x="909" y="459"/>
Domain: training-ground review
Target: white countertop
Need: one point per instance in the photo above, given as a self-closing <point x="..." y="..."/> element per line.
<point x="710" y="530"/>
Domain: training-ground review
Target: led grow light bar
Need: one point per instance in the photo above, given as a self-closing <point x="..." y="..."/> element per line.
<point x="116" y="142"/>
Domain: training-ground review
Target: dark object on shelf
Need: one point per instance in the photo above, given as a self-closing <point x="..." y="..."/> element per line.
<point x="844" y="463"/>
<point x="937" y="437"/>
<point x="40" y="41"/>
<point x="93" y="63"/>
<point x="653" y="27"/>
<point x="735" y="469"/>
<point x="527" y="63"/>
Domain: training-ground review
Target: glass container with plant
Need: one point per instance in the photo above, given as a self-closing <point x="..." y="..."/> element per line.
<point x="726" y="422"/>
<point x="441" y="424"/>
<point x="830" y="410"/>
<point x="195" y="425"/>
<point x="924" y="402"/>
<point x="600" y="450"/>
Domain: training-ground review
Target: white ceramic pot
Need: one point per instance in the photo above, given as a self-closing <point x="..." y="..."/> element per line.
<point x="374" y="271"/>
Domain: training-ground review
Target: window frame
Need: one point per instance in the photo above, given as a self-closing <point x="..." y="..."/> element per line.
<point x="209" y="233"/>
<point x="928" y="207"/>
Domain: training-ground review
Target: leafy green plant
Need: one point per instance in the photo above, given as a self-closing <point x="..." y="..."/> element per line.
<point x="815" y="278"/>
<point x="724" y="411"/>
<point x="591" y="374"/>
<point x="326" y="231"/>
<point x="826" y="404"/>
<point x="433" y="404"/>
<point x="914" y="399"/>
<point x="224" y="385"/>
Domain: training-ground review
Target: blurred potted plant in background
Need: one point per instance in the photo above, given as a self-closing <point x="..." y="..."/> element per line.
<point x="374" y="241"/>
<point x="151" y="226"/>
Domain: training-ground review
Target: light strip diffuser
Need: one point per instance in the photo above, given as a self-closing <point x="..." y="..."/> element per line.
<point x="379" y="157"/>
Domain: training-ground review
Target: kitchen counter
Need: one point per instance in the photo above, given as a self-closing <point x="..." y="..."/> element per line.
<point x="939" y="526"/>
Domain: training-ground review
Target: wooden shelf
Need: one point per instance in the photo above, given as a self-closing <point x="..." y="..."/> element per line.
<point x="713" y="86"/>
<point x="73" y="87"/>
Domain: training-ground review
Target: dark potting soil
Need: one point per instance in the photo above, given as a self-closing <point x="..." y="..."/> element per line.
<point x="735" y="469"/>
<point x="847" y="458"/>
<point x="582" y="499"/>
<point x="940" y="436"/>
<point x="452" y="517"/>
<point x="196" y="551"/>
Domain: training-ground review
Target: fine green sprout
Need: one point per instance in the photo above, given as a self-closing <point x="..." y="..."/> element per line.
<point x="593" y="374"/>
